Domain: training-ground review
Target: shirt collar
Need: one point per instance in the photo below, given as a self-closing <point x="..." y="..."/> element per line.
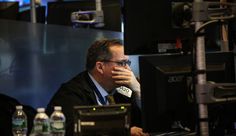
<point x="102" y="91"/>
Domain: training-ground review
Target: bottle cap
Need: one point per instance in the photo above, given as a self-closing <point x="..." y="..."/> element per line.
<point x="40" y="110"/>
<point x="57" y="108"/>
<point x="19" y="107"/>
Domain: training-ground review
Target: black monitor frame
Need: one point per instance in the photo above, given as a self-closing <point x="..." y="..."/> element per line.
<point x="166" y="85"/>
<point x="102" y="120"/>
<point x="149" y="23"/>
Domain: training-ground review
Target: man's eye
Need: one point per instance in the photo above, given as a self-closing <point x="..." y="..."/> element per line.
<point x="121" y="63"/>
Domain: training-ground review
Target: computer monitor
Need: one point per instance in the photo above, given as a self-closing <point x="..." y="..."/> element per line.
<point x="159" y="26"/>
<point x="148" y="24"/>
<point x="167" y="89"/>
<point x="107" y="120"/>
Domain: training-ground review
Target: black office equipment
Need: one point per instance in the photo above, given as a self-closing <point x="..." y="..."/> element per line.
<point x="155" y="25"/>
<point x="150" y="23"/>
<point x="9" y="10"/>
<point x="112" y="120"/>
<point x="168" y="95"/>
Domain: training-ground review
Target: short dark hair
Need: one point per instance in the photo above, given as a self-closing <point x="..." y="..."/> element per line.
<point x="99" y="51"/>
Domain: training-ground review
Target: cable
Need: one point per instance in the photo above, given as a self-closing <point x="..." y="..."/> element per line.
<point x="222" y="18"/>
<point x="221" y="3"/>
<point x="206" y="24"/>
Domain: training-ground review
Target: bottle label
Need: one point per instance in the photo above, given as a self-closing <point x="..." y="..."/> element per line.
<point x="58" y="126"/>
<point x="38" y="128"/>
<point x="41" y="127"/>
<point x="19" y="123"/>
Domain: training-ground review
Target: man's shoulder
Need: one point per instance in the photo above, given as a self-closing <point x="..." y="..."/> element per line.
<point x="81" y="77"/>
<point x="80" y="82"/>
<point x="75" y="89"/>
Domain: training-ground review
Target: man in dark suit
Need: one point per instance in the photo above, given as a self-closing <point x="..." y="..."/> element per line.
<point x="107" y="68"/>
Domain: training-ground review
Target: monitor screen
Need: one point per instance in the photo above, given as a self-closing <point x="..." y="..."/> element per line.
<point x="112" y="120"/>
<point x="166" y="84"/>
<point x="150" y="24"/>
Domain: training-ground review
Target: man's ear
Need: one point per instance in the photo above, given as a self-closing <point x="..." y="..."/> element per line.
<point x="100" y="67"/>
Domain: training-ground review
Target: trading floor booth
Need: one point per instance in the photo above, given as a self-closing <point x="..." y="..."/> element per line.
<point x="35" y="59"/>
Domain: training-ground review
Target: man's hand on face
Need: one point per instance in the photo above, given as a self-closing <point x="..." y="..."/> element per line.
<point x="124" y="76"/>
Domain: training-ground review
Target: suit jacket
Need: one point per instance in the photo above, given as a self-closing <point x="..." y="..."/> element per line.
<point x="80" y="91"/>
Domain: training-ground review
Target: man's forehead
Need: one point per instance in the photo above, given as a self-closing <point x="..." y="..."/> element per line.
<point x="116" y="49"/>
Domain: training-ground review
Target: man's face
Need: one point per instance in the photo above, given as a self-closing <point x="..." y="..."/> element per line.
<point x="116" y="60"/>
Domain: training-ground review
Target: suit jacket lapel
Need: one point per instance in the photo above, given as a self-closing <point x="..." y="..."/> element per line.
<point x="87" y="84"/>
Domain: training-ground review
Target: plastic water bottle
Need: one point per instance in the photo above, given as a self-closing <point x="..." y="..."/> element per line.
<point x="57" y="121"/>
<point x="41" y="123"/>
<point x="19" y="122"/>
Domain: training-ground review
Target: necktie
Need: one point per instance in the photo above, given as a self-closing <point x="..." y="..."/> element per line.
<point x="110" y="99"/>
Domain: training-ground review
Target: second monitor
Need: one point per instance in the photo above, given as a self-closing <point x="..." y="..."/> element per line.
<point x="167" y="84"/>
